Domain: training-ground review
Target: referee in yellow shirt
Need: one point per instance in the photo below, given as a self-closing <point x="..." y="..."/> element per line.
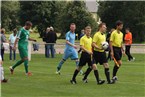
<point x="99" y="54"/>
<point x="116" y="41"/>
<point x="86" y="57"/>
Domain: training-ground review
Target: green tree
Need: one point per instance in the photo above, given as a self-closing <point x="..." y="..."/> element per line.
<point x="41" y="13"/>
<point x="76" y="12"/>
<point x="9" y="14"/>
<point x="131" y="13"/>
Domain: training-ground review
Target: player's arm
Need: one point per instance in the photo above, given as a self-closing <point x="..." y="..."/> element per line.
<point x="82" y="47"/>
<point x="30" y="39"/>
<point x="111" y="48"/>
<point x="71" y="44"/>
<point x="96" y="46"/>
<point x="126" y="38"/>
<point x="122" y="49"/>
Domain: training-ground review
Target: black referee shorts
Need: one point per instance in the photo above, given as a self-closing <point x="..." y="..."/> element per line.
<point x="100" y="57"/>
<point x="85" y="58"/>
<point x="117" y="53"/>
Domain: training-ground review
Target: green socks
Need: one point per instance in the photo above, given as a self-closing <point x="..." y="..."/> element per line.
<point x="17" y="64"/>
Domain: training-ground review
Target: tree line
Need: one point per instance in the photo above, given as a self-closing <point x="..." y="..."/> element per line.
<point x="132" y="13"/>
<point x="42" y="14"/>
<point x="60" y="14"/>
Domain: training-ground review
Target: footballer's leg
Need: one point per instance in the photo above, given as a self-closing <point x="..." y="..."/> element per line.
<point x="66" y="55"/>
<point x="73" y="80"/>
<point x="115" y="70"/>
<point x="21" y="52"/>
<point x="59" y="66"/>
<point x="117" y="55"/>
<point x="107" y="73"/>
<point x="89" y="69"/>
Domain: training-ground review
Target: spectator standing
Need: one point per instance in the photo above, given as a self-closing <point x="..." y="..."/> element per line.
<point x="12" y="39"/>
<point x="128" y="42"/>
<point x="46" y="40"/>
<point x="3" y="40"/>
<point x="51" y="40"/>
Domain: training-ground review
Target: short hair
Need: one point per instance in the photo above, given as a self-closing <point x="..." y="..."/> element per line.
<point x="100" y="25"/>
<point x="87" y="27"/>
<point x="127" y="28"/>
<point x="72" y="24"/>
<point x="118" y="23"/>
<point x="28" y="23"/>
<point x="3" y="30"/>
<point x="15" y="30"/>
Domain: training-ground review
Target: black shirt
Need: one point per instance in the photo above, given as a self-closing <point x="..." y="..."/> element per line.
<point x="51" y="37"/>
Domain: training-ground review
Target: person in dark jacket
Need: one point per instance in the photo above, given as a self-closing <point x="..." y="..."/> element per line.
<point x="45" y="40"/>
<point x="51" y="40"/>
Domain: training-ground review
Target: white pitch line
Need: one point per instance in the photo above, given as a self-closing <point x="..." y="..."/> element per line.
<point x="71" y="75"/>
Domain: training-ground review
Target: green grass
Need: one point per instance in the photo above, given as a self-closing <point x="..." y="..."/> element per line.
<point x="45" y="83"/>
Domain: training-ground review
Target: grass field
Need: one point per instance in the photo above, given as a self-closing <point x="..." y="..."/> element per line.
<point x="45" y="83"/>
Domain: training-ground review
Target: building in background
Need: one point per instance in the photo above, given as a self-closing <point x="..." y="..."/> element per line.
<point x="92" y="7"/>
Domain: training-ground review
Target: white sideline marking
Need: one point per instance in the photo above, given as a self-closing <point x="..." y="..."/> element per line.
<point x="81" y="75"/>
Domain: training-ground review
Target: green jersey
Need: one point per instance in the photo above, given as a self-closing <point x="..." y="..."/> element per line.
<point x="23" y="36"/>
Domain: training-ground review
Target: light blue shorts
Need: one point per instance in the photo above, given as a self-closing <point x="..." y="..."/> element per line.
<point x="71" y="53"/>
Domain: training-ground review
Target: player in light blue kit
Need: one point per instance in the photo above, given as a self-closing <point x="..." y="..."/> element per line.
<point x="70" y="48"/>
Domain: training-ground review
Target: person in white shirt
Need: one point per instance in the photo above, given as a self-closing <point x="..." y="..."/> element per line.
<point x="12" y="39"/>
<point x="3" y="80"/>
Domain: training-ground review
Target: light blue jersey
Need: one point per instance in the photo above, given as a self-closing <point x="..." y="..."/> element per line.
<point x="71" y="38"/>
<point x="70" y="52"/>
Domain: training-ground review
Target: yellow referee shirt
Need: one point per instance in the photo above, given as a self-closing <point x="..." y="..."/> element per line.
<point x="98" y="39"/>
<point x="116" y="38"/>
<point x="86" y="43"/>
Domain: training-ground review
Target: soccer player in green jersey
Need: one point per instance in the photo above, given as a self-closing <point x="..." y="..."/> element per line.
<point x="22" y="39"/>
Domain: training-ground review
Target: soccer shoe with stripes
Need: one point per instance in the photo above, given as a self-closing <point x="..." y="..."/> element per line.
<point x="11" y="70"/>
<point x="101" y="82"/>
<point x="73" y="82"/>
<point x="115" y="78"/>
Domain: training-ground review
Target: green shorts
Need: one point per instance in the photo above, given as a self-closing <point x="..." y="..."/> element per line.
<point x="23" y="53"/>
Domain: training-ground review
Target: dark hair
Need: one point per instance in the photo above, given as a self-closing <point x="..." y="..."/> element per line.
<point x="72" y="24"/>
<point x="127" y="28"/>
<point x="118" y="23"/>
<point x="15" y="30"/>
<point x="87" y="27"/>
<point x="2" y="30"/>
<point x="28" y="23"/>
<point x="100" y="25"/>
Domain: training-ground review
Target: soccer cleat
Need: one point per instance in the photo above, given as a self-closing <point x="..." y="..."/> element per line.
<point x="57" y="72"/>
<point x="4" y="81"/>
<point x="73" y="82"/>
<point x="115" y="78"/>
<point x="85" y="80"/>
<point x="111" y="82"/>
<point x="101" y="82"/>
<point x="11" y="70"/>
<point x="29" y="74"/>
<point x="132" y="59"/>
